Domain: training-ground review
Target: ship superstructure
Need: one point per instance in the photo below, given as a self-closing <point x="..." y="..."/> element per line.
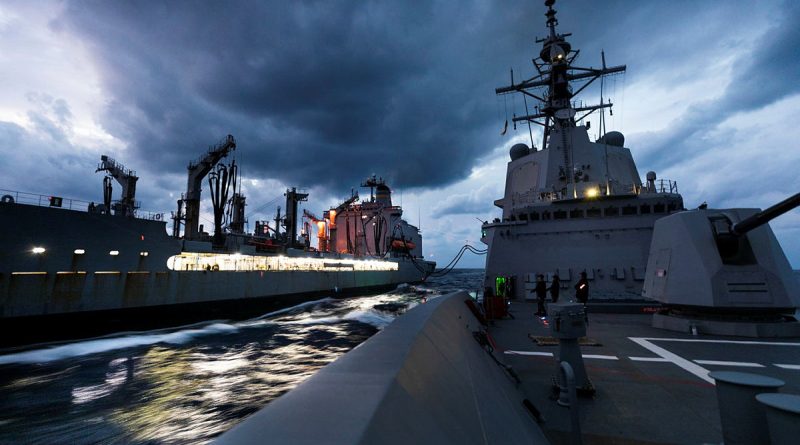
<point x="573" y="205"/>
<point x="373" y="227"/>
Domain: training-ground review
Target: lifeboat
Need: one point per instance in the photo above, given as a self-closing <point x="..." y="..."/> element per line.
<point x="399" y="244"/>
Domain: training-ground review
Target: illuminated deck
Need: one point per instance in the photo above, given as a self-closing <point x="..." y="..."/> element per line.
<point x="187" y="261"/>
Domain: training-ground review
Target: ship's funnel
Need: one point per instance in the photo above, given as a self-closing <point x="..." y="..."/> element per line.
<point x="383" y="195"/>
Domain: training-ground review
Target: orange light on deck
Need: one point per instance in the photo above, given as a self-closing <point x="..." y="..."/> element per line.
<point x="332" y="216"/>
<point x="321" y="229"/>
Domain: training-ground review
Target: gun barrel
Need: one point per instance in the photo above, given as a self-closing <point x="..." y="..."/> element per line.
<point x="766" y="215"/>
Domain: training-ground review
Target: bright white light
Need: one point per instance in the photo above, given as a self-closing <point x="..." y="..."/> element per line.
<point x="79" y="252"/>
<point x="37" y="250"/>
<point x="144" y="253"/>
<point x="591" y="193"/>
<point x="239" y="262"/>
<point x="114" y="253"/>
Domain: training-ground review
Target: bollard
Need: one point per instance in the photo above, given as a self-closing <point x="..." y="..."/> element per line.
<point x="568" y="325"/>
<point x="783" y="416"/>
<point x="742" y="418"/>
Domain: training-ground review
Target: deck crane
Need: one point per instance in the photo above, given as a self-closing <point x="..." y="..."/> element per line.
<point x="126" y="206"/>
<point x="197" y="171"/>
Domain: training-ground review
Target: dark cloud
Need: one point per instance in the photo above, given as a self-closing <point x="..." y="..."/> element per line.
<point x="325" y="93"/>
<point x="315" y="92"/>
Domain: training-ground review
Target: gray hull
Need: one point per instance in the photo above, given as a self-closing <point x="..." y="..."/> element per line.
<point x="60" y="283"/>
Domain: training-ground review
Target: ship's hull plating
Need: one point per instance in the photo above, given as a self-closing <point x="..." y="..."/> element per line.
<point x="613" y="252"/>
<point x="64" y="287"/>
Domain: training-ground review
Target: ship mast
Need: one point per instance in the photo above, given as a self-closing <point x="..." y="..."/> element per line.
<point x="556" y="72"/>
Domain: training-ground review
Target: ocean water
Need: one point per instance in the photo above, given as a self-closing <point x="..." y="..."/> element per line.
<point x="187" y="385"/>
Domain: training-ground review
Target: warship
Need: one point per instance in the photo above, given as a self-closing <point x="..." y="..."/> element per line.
<point x="712" y="355"/>
<point x="74" y="268"/>
<point x="573" y="205"/>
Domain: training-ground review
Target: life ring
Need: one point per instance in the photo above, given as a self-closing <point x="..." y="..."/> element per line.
<point x="215" y="267"/>
<point x="7" y="198"/>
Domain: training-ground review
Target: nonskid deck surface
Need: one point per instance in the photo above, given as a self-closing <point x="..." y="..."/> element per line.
<point x="652" y="385"/>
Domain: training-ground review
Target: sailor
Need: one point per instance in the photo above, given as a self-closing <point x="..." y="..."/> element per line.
<point x="541" y="294"/>
<point x="555" y="286"/>
<point x="582" y="289"/>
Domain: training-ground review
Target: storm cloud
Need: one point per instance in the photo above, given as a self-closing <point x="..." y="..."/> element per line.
<point x="319" y="93"/>
<point x="322" y="94"/>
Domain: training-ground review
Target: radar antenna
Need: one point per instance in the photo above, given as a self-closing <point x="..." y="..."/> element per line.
<point x="555" y="72"/>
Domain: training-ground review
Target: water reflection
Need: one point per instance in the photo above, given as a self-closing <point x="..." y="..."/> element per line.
<point x="187" y="385"/>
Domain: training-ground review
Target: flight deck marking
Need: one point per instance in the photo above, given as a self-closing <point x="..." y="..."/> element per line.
<point x="540" y="354"/>
<point x="649" y="359"/>
<point x="787" y="366"/>
<point x="550" y="354"/>
<point x="697" y="370"/>
<point x="693" y="367"/>
<point x="735" y="342"/>
<point x="725" y="363"/>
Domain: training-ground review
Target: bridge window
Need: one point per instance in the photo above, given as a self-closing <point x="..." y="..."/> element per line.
<point x="534" y="216"/>
<point x="559" y="214"/>
<point x="659" y="208"/>
<point x="645" y="209"/>
<point x="612" y="211"/>
<point x="593" y="213"/>
<point x="629" y="210"/>
<point x="576" y="213"/>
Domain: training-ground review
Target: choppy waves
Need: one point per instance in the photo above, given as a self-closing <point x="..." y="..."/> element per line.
<point x="187" y="384"/>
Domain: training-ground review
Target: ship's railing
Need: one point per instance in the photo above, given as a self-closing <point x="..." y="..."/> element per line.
<point x="40" y="200"/>
<point x="529" y="197"/>
<point x="661" y="186"/>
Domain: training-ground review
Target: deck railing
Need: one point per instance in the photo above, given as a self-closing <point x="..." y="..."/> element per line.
<point x="60" y="202"/>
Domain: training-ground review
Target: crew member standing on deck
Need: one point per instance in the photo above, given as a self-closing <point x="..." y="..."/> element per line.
<point x="582" y="289"/>
<point x="555" y="287"/>
<point x="541" y="294"/>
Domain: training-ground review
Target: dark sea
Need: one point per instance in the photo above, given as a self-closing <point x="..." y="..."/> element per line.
<point x="189" y="384"/>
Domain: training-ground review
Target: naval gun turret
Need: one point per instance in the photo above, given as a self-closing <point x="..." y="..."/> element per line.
<point x="126" y="206"/>
<point x="722" y="271"/>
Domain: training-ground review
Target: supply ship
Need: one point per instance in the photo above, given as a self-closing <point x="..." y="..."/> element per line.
<point x="716" y="360"/>
<point x="71" y="267"/>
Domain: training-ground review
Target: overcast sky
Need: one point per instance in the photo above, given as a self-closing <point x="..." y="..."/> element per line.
<point x="320" y="95"/>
